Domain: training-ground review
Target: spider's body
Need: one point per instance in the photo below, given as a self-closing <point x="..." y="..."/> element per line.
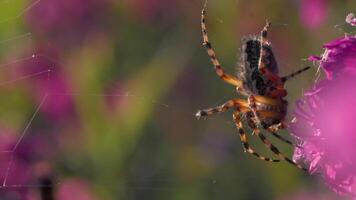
<point x="254" y="81"/>
<point x="258" y="80"/>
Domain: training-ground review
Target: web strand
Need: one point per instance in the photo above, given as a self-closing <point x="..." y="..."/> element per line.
<point x="24" y="132"/>
<point x="20" y="14"/>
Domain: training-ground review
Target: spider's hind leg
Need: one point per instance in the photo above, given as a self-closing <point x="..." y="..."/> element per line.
<point x="243" y="138"/>
<point x="274" y="149"/>
<point x="267" y="143"/>
<point x="273" y="130"/>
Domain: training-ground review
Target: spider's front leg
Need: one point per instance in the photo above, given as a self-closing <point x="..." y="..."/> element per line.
<point x="234" y="103"/>
<point x="264" y="60"/>
<point x="218" y="69"/>
<point x="261" y="64"/>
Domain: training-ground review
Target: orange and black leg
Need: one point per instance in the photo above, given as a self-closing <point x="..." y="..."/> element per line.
<point x="244" y="140"/>
<point x="234" y="103"/>
<point x="273" y="131"/>
<point x="218" y="69"/>
<point x="263" y="40"/>
<point x="263" y="58"/>
<point x="264" y="33"/>
<point x="286" y="78"/>
<point x="274" y="149"/>
<point x="253" y="107"/>
<point x="256" y="131"/>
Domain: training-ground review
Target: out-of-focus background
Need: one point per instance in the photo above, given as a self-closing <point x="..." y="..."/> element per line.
<point x="98" y="97"/>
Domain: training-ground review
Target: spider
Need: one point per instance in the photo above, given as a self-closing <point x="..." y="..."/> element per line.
<point x="264" y="107"/>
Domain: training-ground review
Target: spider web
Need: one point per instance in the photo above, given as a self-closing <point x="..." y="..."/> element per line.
<point x="19" y="78"/>
<point x="47" y="76"/>
<point x="45" y="96"/>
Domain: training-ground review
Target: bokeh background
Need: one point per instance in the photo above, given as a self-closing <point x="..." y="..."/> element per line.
<point x="98" y="97"/>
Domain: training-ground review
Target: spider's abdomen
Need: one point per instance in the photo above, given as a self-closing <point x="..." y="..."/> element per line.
<point x="254" y="81"/>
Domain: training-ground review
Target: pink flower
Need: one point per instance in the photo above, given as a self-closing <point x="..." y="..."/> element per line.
<point x="325" y="118"/>
<point x="75" y="188"/>
<point x="152" y="10"/>
<point x="15" y="170"/>
<point x="313" y="13"/>
<point x="304" y="195"/>
<point x="67" y="23"/>
<point x="49" y="78"/>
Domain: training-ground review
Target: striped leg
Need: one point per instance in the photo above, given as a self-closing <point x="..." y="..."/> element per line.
<point x="275" y="149"/>
<point x="273" y="131"/>
<point x="261" y="64"/>
<point x="243" y="137"/>
<point x="218" y="69"/>
<point x="263" y="41"/>
<point x="234" y="103"/>
<point x="253" y="107"/>
<point x="286" y="78"/>
<point x="264" y="32"/>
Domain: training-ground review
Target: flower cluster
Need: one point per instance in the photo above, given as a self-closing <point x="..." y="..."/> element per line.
<point x="325" y="118"/>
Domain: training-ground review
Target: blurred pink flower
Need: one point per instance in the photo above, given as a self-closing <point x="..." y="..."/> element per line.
<point x="49" y="78"/>
<point x="325" y="118"/>
<point x="313" y="13"/>
<point x="67" y="22"/>
<point x="74" y="188"/>
<point x="152" y="10"/>
<point x="310" y="196"/>
<point x="16" y="170"/>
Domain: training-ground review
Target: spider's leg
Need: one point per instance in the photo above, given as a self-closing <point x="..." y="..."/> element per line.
<point x="253" y="107"/>
<point x="262" y="60"/>
<point x="285" y="78"/>
<point x="234" y="103"/>
<point x="258" y="115"/>
<point x="263" y="41"/>
<point x="273" y="132"/>
<point x="266" y="100"/>
<point x="281" y="138"/>
<point x="243" y="137"/>
<point x="264" y="32"/>
<point x="275" y="150"/>
<point x="218" y="69"/>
